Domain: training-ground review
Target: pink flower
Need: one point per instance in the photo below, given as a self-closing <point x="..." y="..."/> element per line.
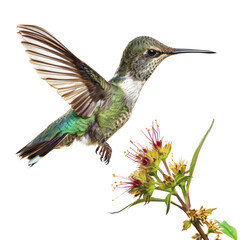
<point x="139" y="184"/>
<point x="150" y="157"/>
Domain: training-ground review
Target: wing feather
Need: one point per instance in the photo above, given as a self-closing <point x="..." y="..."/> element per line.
<point x="77" y="83"/>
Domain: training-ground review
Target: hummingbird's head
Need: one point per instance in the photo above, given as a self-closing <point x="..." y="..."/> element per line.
<point x="143" y="54"/>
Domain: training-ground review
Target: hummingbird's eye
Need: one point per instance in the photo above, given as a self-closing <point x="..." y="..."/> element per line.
<point x="153" y="53"/>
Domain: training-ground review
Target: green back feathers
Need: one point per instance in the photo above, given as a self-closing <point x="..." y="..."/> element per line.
<point x="69" y="123"/>
<point x="108" y="117"/>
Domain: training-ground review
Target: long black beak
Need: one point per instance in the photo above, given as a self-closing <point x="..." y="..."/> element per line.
<point x="184" y="50"/>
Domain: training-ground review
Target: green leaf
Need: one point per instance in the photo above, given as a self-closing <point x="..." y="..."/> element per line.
<point x="186" y="225"/>
<point x="164" y="187"/>
<point x="180" y="178"/>
<point x="152" y="199"/>
<point x="195" y="157"/>
<point x="168" y="202"/>
<point x="227" y="229"/>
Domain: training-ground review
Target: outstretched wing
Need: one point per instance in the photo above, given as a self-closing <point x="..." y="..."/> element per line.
<point x="74" y="80"/>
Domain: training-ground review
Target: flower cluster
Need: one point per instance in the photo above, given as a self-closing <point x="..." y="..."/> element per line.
<point x="149" y="157"/>
<point x="139" y="184"/>
<point x="150" y="176"/>
<point x="178" y="167"/>
<point x="144" y="180"/>
<point x="213" y="227"/>
<point x="201" y="215"/>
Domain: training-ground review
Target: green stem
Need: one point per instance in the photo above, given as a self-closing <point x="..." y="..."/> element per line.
<point x="161" y="171"/>
<point x="166" y="166"/>
<point x="165" y="190"/>
<point x="184" y="206"/>
<point x="189" y="202"/>
<point x="156" y="176"/>
<point x="177" y="205"/>
<point x="185" y="195"/>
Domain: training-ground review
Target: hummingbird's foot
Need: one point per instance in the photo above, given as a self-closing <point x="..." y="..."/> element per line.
<point x="105" y="152"/>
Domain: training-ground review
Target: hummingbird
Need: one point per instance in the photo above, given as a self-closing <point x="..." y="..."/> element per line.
<point x="98" y="107"/>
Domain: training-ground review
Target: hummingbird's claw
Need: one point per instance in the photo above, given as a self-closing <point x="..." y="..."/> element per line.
<point x="97" y="149"/>
<point x="105" y="152"/>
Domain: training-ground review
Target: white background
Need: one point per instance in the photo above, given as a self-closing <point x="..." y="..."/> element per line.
<point x="68" y="194"/>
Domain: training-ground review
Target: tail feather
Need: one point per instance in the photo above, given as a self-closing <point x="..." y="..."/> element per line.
<point x="40" y="149"/>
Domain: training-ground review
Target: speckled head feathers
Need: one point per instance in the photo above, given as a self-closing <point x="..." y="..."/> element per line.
<point x="141" y="44"/>
<point x="141" y="56"/>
